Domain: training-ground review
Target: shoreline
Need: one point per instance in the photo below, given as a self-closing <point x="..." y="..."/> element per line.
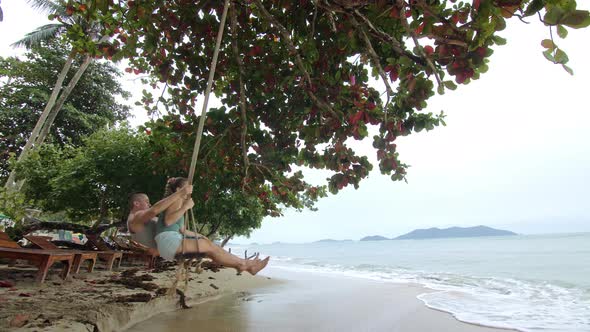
<point x="307" y="301"/>
<point x="100" y="302"/>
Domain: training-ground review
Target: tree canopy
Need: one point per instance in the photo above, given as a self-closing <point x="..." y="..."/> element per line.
<point x="294" y="79"/>
<point x="94" y="103"/>
<point x="294" y="76"/>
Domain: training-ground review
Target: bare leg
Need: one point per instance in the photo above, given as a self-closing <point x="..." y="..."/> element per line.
<point x="222" y="257"/>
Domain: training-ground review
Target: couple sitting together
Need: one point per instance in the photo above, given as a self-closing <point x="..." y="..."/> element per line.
<point x="166" y="232"/>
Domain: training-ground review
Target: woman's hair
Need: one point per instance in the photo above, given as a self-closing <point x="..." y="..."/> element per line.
<point x="173" y="184"/>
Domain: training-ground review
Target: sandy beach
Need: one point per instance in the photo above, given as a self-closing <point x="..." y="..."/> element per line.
<point x="314" y="302"/>
<point x="106" y="301"/>
<point x="276" y="300"/>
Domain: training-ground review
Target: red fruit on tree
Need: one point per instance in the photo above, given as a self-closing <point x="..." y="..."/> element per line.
<point x="428" y="50"/>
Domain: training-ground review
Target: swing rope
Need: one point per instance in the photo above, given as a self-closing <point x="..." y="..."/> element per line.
<point x="198" y="142"/>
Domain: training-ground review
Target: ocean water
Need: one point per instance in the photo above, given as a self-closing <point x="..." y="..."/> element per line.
<point x="525" y="282"/>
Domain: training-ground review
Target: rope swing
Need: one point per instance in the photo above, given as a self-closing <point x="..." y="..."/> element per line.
<point x="183" y="259"/>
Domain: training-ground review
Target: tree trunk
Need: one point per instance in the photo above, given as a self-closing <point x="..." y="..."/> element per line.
<point x="226" y="240"/>
<point x="60" y="102"/>
<point x="103" y="208"/>
<point x="39" y="125"/>
<point x="33" y="224"/>
<point x="214" y="229"/>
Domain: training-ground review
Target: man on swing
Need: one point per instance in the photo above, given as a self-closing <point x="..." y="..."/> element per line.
<point x="170" y="225"/>
<point x="141" y="221"/>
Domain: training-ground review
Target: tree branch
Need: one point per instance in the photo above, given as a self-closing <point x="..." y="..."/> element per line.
<point x="397" y="47"/>
<point x="376" y="62"/>
<point x="234" y="44"/>
<point x="406" y="25"/>
<point x="33" y="224"/>
<point x="293" y="50"/>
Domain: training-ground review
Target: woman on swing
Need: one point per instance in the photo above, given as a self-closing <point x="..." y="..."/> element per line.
<point x="170" y="229"/>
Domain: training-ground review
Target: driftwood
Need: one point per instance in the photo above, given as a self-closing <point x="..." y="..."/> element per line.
<point x="254" y="255"/>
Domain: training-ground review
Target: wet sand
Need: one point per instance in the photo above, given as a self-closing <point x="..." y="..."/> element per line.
<point x="313" y="302"/>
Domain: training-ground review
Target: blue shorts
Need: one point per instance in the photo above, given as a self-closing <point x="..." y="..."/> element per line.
<point x="168" y="244"/>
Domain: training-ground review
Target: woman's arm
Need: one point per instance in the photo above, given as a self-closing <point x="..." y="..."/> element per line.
<point x="172" y="217"/>
<point x="163" y="204"/>
<point x="141" y="217"/>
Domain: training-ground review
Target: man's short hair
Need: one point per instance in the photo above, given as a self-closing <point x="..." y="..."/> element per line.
<point x="134" y="197"/>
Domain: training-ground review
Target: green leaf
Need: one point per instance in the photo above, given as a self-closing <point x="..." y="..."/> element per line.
<point x="561" y="31"/>
<point x="549" y="44"/>
<point x="560" y="56"/>
<point x="534" y="7"/>
<point x="576" y="19"/>
<point x="548" y="55"/>
<point x="568" y="69"/>
<point x="450" y="85"/>
<point x="553" y="16"/>
<point x="499" y="40"/>
<point x="483" y="68"/>
<point x="441" y="89"/>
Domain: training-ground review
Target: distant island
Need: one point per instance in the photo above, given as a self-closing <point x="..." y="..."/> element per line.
<point x="374" y="238"/>
<point x="331" y="240"/>
<point x="436" y="233"/>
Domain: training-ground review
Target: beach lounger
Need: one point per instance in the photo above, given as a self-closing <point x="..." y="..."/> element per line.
<point x="104" y="252"/>
<point x="44" y="242"/>
<point x="43" y="259"/>
<point x="133" y="250"/>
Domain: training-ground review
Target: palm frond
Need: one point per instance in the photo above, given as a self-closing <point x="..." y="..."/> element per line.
<point x="47" y="6"/>
<point x="42" y="33"/>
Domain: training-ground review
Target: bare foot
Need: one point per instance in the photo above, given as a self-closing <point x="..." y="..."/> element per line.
<point x="257" y="265"/>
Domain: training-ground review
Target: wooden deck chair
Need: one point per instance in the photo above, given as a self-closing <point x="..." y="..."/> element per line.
<point x="104" y="252"/>
<point x="43" y="259"/>
<point x="44" y="242"/>
<point x="132" y="251"/>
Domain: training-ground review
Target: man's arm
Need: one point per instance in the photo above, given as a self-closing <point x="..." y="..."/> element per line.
<point x="141" y="217"/>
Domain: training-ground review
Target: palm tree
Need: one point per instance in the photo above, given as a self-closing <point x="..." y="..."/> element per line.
<point x="54" y="105"/>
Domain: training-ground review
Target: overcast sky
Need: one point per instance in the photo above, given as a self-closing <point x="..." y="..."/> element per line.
<point x="515" y="153"/>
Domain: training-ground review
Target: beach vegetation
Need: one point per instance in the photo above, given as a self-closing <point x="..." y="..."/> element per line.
<point x="97" y="101"/>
